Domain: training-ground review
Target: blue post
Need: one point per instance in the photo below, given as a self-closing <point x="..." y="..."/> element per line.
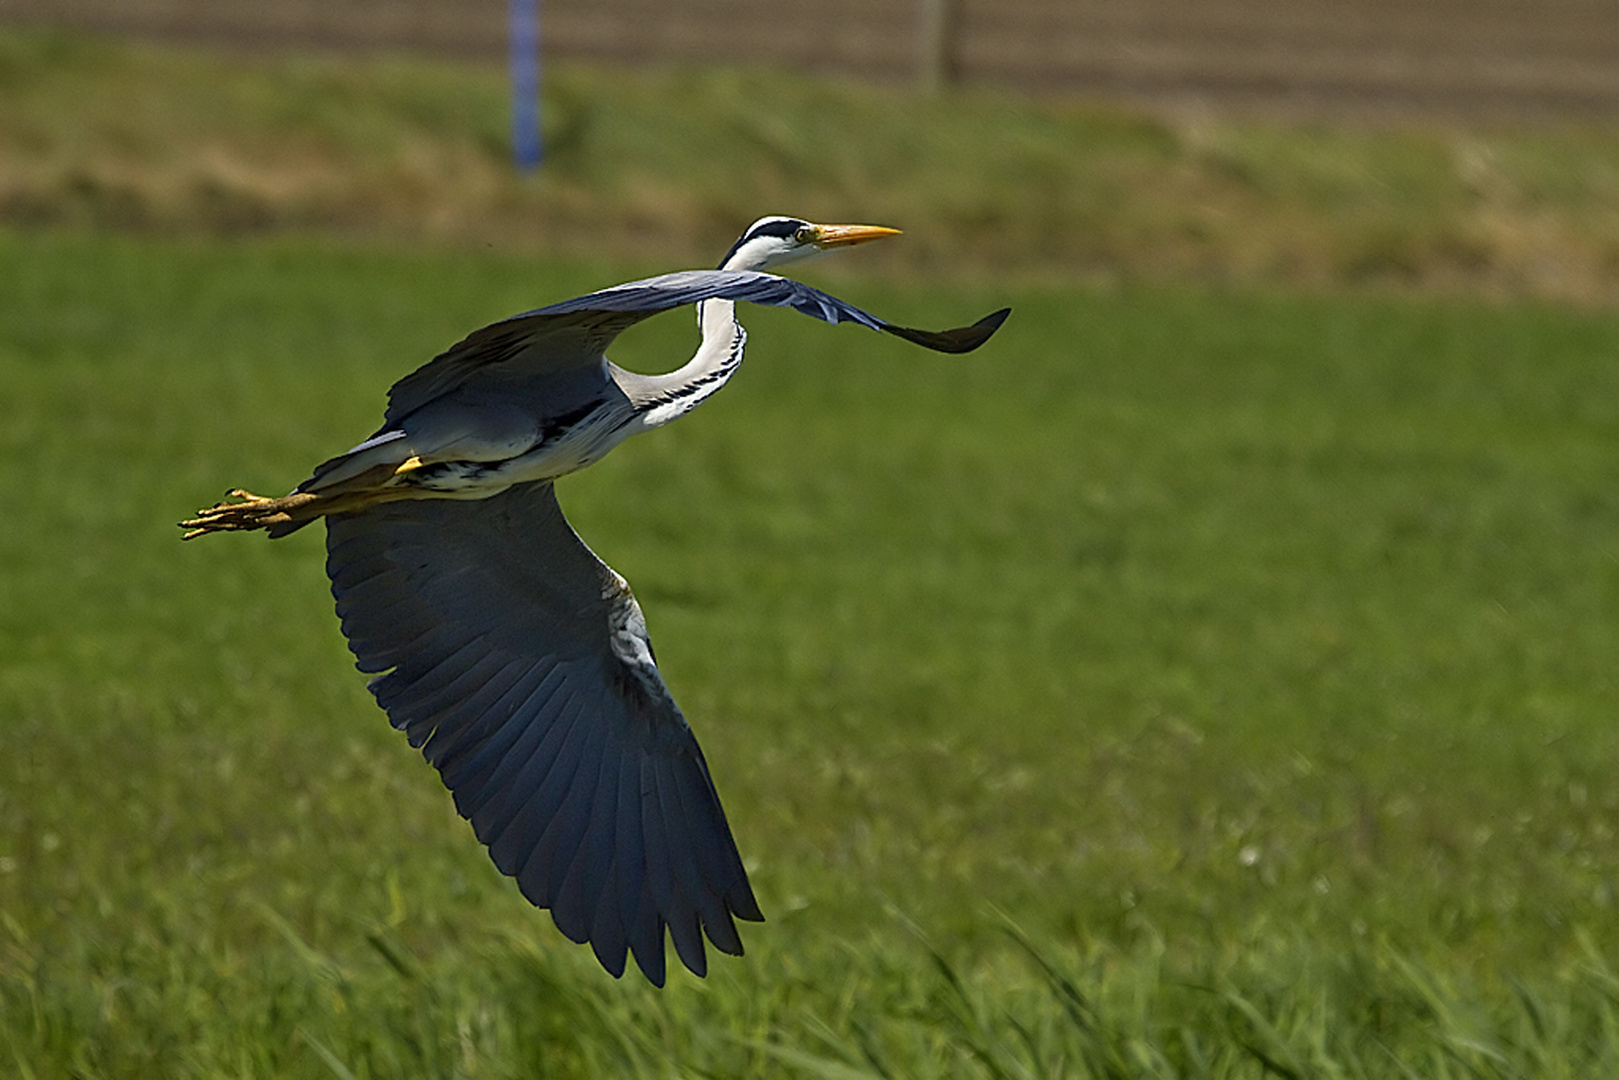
<point x="525" y="62"/>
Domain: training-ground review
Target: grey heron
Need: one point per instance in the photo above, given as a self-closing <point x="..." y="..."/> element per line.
<point x="509" y="654"/>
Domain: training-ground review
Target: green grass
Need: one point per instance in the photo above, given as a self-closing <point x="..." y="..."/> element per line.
<point x="1190" y="683"/>
<point x="671" y="163"/>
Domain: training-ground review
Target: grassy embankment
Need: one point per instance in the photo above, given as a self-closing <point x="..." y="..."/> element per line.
<point x="1250" y="653"/>
<point x="665" y="166"/>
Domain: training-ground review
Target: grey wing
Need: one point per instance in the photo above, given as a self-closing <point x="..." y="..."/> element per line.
<point x="519" y="664"/>
<point x="575" y="332"/>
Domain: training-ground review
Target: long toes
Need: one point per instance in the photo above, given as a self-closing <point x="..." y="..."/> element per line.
<point x="249" y="502"/>
<point x="249" y="513"/>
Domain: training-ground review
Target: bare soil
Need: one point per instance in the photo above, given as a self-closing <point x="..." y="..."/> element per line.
<point x="1469" y="60"/>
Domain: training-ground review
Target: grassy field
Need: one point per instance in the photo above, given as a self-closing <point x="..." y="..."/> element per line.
<point x="1213" y="677"/>
<point x="1189" y="684"/>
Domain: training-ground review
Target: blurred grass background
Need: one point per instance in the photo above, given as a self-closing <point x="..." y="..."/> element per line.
<point x="661" y="163"/>
<point x="1212" y="677"/>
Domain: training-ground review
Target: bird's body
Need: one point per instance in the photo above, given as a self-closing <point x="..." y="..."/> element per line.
<point x="513" y="657"/>
<point x="479" y="437"/>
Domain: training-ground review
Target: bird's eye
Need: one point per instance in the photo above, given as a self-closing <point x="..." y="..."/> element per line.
<point x="804" y="235"/>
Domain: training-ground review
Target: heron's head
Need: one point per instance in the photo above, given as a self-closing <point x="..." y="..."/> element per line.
<point x="773" y="241"/>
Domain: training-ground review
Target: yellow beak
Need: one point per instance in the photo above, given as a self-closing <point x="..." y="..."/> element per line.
<point x="831" y="236"/>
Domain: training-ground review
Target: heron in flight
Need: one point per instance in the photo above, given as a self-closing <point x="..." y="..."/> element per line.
<point x="509" y="654"/>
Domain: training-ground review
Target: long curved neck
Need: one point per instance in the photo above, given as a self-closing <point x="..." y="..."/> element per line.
<point x="658" y="399"/>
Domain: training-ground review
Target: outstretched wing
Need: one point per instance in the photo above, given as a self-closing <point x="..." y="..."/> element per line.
<point x="575" y="332"/>
<point x="519" y="664"/>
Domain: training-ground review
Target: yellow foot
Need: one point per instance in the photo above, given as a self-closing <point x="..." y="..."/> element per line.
<point x="250" y="512"/>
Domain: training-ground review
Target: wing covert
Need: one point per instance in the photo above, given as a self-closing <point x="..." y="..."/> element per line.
<point x="575" y="333"/>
